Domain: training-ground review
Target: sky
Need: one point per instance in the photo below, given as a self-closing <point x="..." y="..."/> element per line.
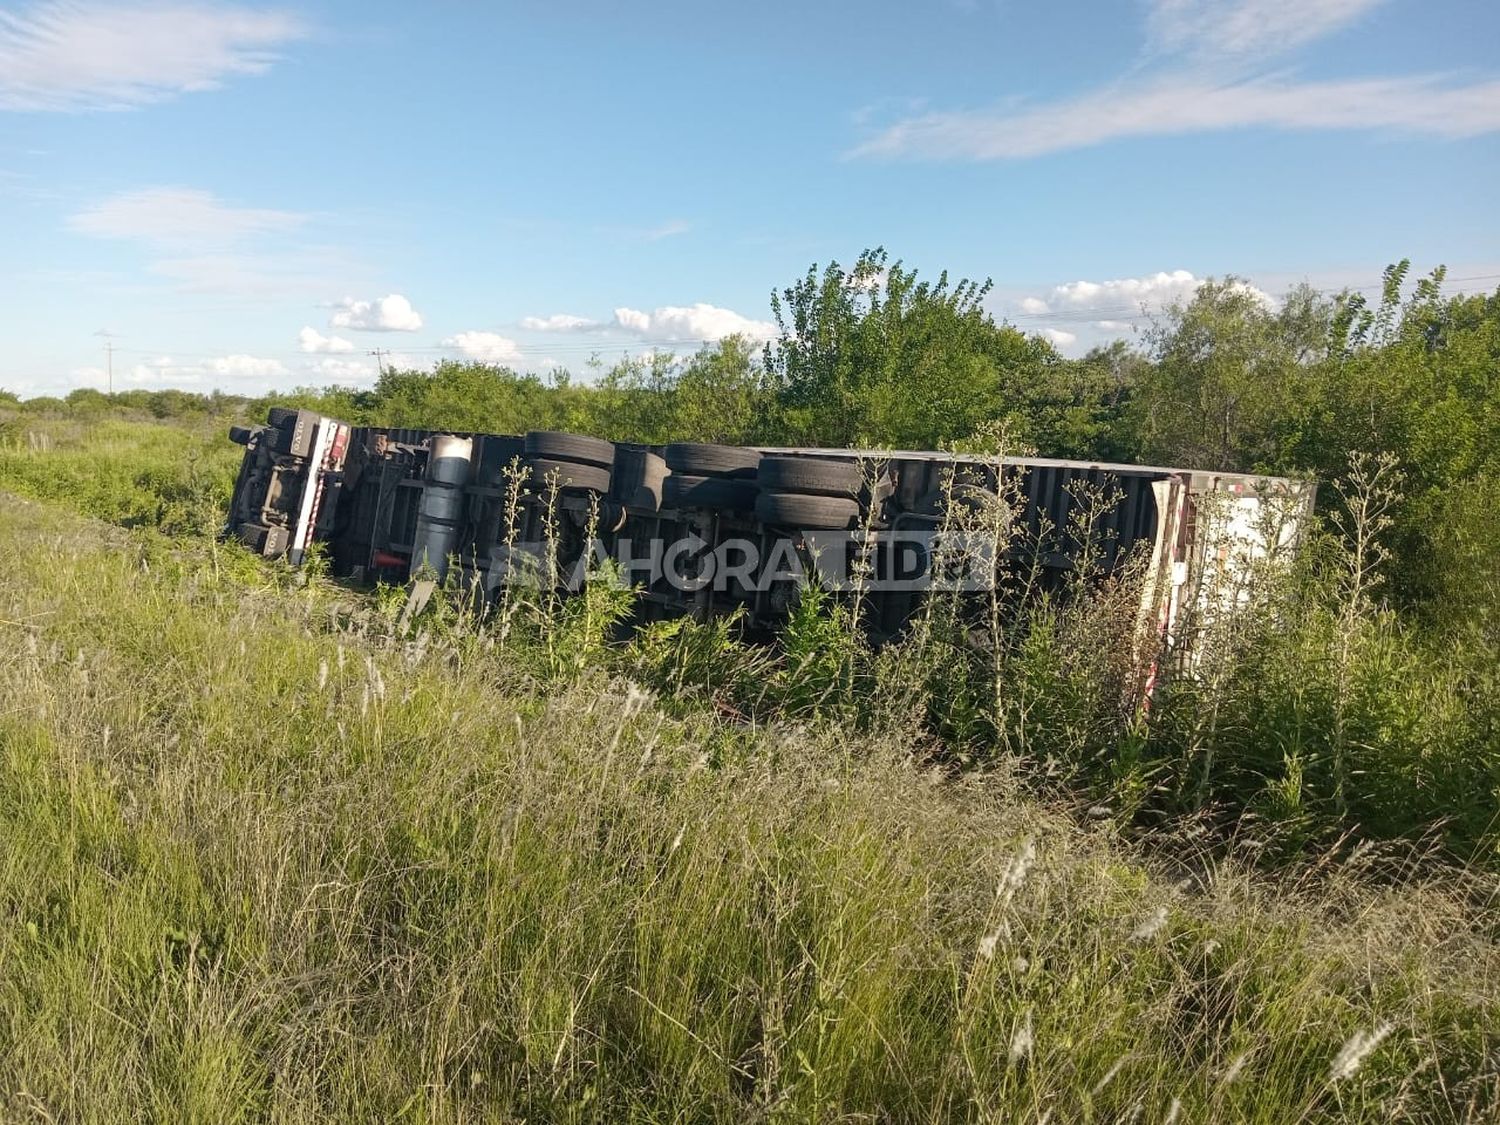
<point x="249" y="196"/>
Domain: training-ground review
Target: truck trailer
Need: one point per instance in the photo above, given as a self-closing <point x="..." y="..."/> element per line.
<point x="705" y="529"/>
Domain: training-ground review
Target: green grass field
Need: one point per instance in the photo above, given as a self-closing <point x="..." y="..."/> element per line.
<point x="262" y="859"/>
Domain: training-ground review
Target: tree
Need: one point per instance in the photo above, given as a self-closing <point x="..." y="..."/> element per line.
<point x="1419" y="377"/>
<point x="1232" y="386"/>
<point x="1079" y="409"/>
<point x="465" y="397"/>
<point x="874" y="356"/>
<point x="86" y="401"/>
<point x="632" y="401"/>
<point x="720" y="394"/>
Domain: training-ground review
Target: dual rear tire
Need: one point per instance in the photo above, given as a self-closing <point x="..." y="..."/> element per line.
<point x="568" y="462"/>
<point x="783" y="490"/>
<point x="710" y="477"/>
<point x="810" y="493"/>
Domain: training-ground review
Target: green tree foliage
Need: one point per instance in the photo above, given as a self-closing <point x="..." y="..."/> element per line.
<point x="629" y="401"/>
<point x="1078" y="407"/>
<point x="1420" y="378"/>
<point x="874" y="356"/>
<point x="721" y="395"/>
<point x="1230" y="383"/>
<point x="1233" y="382"/>
<point x="465" y="397"/>
<point x="45" y="404"/>
<point x="86" y="401"/>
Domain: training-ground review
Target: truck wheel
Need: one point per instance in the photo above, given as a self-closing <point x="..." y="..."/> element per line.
<point x="569" y="475"/>
<point x="792" y="509"/>
<point x="696" y="458"/>
<point x="814" y="476"/>
<point x="556" y="446"/>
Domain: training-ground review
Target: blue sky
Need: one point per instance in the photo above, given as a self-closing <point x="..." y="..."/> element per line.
<point x="251" y="196"/>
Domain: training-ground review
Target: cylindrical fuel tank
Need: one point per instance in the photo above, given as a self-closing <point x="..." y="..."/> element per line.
<point x="440" y="515"/>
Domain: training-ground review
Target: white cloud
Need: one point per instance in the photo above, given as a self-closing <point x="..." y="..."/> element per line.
<point x="179" y="217"/>
<point x="1216" y="54"/>
<point x="205" y="245"/>
<point x="487" y="347"/>
<point x="669" y="323"/>
<point x="64" y="55"/>
<point x="404" y="361"/>
<point x="83" y="376"/>
<point x="1247" y="27"/>
<point x="1107" y="302"/>
<point x="1422" y="105"/>
<point x="1152" y="290"/>
<point x="246" y="367"/>
<point x="558" y="322"/>
<point x="391" y="313"/>
<point x="694" y="322"/>
<point x="341" y="370"/>
<point x="1077" y="315"/>
<point x="165" y="369"/>
<point x="312" y="341"/>
<point x="633" y="320"/>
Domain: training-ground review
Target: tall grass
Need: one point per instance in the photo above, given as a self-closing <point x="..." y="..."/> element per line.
<point x="176" y="478"/>
<point x="1312" y="714"/>
<point x="264" y="857"/>
<point x="1321" y="716"/>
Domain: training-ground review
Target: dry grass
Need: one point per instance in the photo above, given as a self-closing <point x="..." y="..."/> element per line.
<point x="260" y="861"/>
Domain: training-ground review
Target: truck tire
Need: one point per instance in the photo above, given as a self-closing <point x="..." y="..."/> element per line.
<point x="684" y="490"/>
<point x="812" y="476"/>
<point x="696" y="458"/>
<point x="571" y="476"/>
<point x="279" y="416"/>
<point x="556" y="446"/>
<point x="797" y="510"/>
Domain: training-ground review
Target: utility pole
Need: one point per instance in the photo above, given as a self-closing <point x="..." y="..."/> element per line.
<point x="109" y="357"/>
<point x="379" y="362"/>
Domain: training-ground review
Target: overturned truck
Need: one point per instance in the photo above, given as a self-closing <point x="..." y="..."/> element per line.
<point x="707" y="529"/>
